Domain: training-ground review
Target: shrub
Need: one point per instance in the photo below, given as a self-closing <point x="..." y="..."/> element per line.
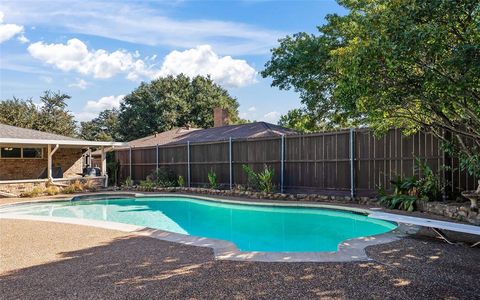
<point x="400" y="201"/>
<point x="113" y="166"/>
<point x="265" y="179"/>
<point x="147" y="185"/>
<point x="128" y="182"/>
<point x="89" y="185"/>
<point x="212" y="179"/>
<point x="35" y="192"/>
<point x="252" y="180"/>
<point x="403" y="196"/>
<point x="408" y="190"/>
<point x="163" y="177"/>
<point x="181" y="181"/>
<point x="262" y="181"/>
<point x="429" y="185"/>
<point x="78" y="186"/>
<point x="52" y="190"/>
<point x="69" y="189"/>
<point x="74" y="187"/>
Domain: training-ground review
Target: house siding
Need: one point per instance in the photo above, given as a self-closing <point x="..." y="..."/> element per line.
<point x="69" y="159"/>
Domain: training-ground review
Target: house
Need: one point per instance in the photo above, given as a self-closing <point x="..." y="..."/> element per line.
<point x="175" y="148"/>
<point x="30" y="157"/>
<point x="221" y="131"/>
<point x="183" y="135"/>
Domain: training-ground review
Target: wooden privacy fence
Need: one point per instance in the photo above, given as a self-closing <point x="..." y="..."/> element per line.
<point x="350" y="162"/>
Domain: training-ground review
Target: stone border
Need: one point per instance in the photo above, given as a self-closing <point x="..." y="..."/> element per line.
<point x="257" y="195"/>
<point x="348" y="250"/>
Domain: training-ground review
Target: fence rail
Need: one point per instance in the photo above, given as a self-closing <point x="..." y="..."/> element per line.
<point x="342" y="162"/>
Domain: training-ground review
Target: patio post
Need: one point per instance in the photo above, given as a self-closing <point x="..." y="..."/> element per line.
<point x="282" y="162"/>
<point x="230" y="161"/>
<point x="104" y="166"/>
<point x="85" y="162"/>
<point x="188" y="163"/>
<point x="130" y="161"/>
<point x="49" y="161"/>
<point x="50" y="153"/>
<point x="352" y="163"/>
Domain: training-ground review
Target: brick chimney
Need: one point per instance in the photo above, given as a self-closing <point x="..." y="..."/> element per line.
<point x="220" y="117"/>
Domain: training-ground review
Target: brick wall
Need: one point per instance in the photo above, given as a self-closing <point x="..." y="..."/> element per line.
<point x="69" y="159"/>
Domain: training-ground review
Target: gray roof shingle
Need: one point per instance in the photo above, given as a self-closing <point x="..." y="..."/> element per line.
<point x="178" y="136"/>
<point x="13" y="132"/>
<point x="214" y="134"/>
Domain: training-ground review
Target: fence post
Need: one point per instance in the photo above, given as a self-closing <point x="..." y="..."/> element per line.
<point x="130" y="162"/>
<point x="230" y="161"/>
<point x="282" y="163"/>
<point x="352" y="163"/>
<point x="157" y="161"/>
<point x="188" y="163"/>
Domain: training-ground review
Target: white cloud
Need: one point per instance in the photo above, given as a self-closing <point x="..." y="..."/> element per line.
<point x="103" y="103"/>
<point x="80" y="83"/>
<point x="272" y="117"/>
<point x="252" y="109"/>
<point x="140" y="23"/>
<point x="203" y="61"/>
<point x="8" y="31"/>
<point x="94" y="107"/>
<point x="23" y="39"/>
<point x="85" y="116"/>
<point x="75" y="56"/>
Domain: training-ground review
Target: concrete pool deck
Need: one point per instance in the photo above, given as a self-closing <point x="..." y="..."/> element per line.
<point x="41" y="260"/>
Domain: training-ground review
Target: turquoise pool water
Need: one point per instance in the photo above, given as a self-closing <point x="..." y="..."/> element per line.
<point x="249" y="227"/>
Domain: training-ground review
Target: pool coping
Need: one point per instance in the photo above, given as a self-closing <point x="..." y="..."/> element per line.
<point x="348" y="251"/>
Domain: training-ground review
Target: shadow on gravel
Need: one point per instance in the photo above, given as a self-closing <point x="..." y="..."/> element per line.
<point x="141" y="267"/>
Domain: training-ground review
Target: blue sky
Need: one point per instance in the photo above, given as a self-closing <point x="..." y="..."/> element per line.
<point x="98" y="51"/>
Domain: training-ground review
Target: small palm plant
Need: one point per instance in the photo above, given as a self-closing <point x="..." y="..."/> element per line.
<point x="265" y="179"/>
<point x="212" y="179"/>
<point x="181" y="181"/>
<point x="403" y="196"/>
<point x="262" y="181"/>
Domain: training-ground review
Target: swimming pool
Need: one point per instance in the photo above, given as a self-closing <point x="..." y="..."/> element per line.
<point x="249" y="227"/>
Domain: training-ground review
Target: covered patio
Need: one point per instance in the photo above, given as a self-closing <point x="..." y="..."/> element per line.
<point x="30" y="158"/>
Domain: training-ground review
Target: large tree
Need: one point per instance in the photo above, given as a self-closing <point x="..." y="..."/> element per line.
<point x="412" y="64"/>
<point x="302" y="121"/>
<point x="54" y="116"/>
<point x="173" y="101"/>
<point x="20" y="113"/>
<point x="102" y="128"/>
<point x="51" y="115"/>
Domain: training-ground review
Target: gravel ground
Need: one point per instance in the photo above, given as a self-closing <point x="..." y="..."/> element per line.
<point x="42" y="260"/>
